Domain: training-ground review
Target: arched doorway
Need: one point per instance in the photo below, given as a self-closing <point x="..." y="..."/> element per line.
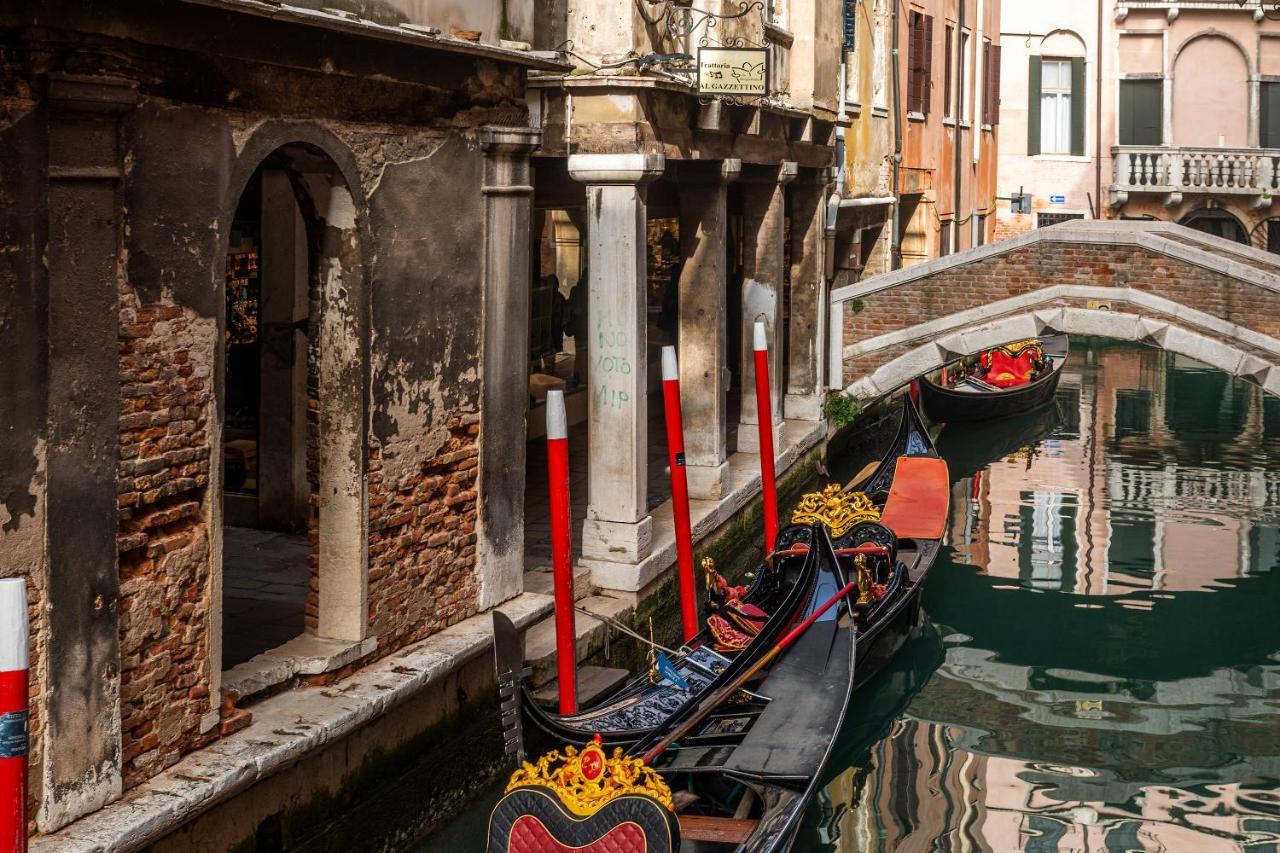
<point x="1211" y="94"/>
<point x="1219" y="223"/>
<point x="293" y="442"/>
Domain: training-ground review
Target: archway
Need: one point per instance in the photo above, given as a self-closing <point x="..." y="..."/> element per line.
<point x="293" y="435"/>
<point x="1217" y="222"/>
<point x="1211" y="94"/>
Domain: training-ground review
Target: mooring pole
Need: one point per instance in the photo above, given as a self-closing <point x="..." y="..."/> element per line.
<point x="764" y="411"/>
<point x="679" y="493"/>
<point x="561" y="551"/>
<point x="13" y="714"/>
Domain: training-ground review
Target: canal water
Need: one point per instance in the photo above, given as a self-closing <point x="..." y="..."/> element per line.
<point x="1100" y="664"/>
<point x="1100" y="668"/>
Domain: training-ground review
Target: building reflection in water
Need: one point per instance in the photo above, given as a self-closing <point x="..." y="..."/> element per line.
<point x="1110" y="678"/>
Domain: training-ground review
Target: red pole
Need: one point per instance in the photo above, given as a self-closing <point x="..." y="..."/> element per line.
<point x="764" y="411"/>
<point x="679" y="493"/>
<point x="561" y="558"/>
<point x="13" y="715"/>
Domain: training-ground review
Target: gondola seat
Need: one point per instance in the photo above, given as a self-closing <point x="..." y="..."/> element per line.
<point x="1007" y="371"/>
<point x="585" y="801"/>
<point x="918" y="499"/>
<point x="872" y="533"/>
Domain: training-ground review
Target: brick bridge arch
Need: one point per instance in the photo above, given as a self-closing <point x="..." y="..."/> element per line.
<point x="1153" y="282"/>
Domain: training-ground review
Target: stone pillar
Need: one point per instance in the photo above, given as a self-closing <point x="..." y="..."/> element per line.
<point x="763" y="218"/>
<point x="283" y="491"/>
<point x="81" y="768"/>
<point x="618" y="528"/>
<point x="703" y="333"/>
<point x="808" y="298"/>
<point x="508" y="193"/>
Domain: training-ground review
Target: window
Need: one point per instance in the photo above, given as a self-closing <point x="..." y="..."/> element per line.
<point x="1044" y="220"/>
<point x="1141" y="112"/>
<point x="1055" y="114"/>
<point x="919" y="61"/>
<point x="945" y="235"/>
<point x="979" y="230"/>
<point x="991" y="91"/>
<point x="1269" y="119"/>
<point x="1055" y="107"/>
<point x="879" y="96"/>
<point x="946" y="73"/>
<point x="965" y="77"/>
<point x="850" y="24"/>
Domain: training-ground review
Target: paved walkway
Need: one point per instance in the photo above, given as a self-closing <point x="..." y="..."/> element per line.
<point x="264" y="591"/>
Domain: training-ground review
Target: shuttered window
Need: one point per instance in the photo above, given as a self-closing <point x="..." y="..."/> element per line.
<point x="850" y="24"/>
<point x="1055" y="112"/>
<point x="991" y="89"/>
<point x="919" y="61"/>
<point x="946" y="73"/>
<point x="1141" y="112"/>
<point x="1269" y="119"/>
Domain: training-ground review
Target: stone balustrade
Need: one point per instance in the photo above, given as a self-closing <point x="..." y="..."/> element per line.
<point x="1176" y="170"/>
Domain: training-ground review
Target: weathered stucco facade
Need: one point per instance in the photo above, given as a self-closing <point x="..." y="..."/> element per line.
<point x="130" y="139"/>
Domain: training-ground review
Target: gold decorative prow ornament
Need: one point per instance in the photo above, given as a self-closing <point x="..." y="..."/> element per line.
<point x="835" y="508"/>
<point x="584" y="781"/>
<point x="1016" y="348"/>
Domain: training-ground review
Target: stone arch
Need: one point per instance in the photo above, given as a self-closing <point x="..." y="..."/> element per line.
<point x="1208" y="107"/>
<point x="1063" y="42"/>
<point x="1118" y="325"/>
<point x="318" y="171"/>
<point x="1218" y="221"/>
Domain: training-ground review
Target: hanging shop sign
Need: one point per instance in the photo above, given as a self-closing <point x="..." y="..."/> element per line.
<point x="733" y="71"/>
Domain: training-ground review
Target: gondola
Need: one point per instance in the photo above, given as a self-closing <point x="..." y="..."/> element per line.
<point x="735" y="765"/>
<point x="960" y="392"/>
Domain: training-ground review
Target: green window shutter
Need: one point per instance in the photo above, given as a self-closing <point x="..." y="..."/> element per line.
<point x="1078" y="97"/>
<point x="1033" y="107"/>
<point x="1270" y="118"/>
<point x="1141" y="112"/>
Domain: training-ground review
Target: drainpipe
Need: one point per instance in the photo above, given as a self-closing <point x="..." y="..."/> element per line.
<point x="958" y="152"/>
<point x="895" y="251"/>
<point x="829" y="237"/>
<point x="1097" y="120"/>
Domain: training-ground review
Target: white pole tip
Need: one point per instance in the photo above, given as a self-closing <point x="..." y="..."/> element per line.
<point x="557" y="423"/>
<point x="13" y="625"/>
<point x="670" y="369"/>
<point x="760" y="338"/>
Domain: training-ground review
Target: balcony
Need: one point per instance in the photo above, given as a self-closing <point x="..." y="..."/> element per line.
<point x="1178" y="171"/>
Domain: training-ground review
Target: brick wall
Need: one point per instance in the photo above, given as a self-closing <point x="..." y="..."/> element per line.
<point x="422" y="541"/>
<point x="163" y="479"/>
<point x="1041" y="264"/>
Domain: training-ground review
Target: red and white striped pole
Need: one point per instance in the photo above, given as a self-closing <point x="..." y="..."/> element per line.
<point x="13" y="714"/>
<point x="561" y="556"/>
<point x="679" y="493"/>
<point x="764" y="412"/>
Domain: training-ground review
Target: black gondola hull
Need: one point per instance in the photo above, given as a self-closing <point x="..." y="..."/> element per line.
<point x="944" y="405"/>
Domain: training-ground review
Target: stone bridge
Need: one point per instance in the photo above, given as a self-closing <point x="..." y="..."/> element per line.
<point x="1152" y="282"/>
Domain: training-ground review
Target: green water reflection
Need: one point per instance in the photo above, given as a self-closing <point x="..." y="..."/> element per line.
<point x="1101" y="665"/>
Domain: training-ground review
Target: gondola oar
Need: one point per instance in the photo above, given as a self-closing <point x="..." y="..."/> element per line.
<point x="730" y="689"/>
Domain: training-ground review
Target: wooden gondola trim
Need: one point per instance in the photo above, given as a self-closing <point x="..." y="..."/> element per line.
<point x="726" y="830"/>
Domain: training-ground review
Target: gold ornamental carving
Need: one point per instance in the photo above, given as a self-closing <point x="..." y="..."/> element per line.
<point x="837" y="509"/>
<point x="584" y="781"/>
<point x="1016" y="348"/>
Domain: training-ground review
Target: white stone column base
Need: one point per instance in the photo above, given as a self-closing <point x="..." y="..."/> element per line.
<point x="616" y="541"/>
<point x="708" y="482"/>
<point x="749" y="437"/>
<point x="802" y="407"/>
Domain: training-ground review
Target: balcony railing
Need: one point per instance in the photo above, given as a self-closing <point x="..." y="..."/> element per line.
<point x="1180" y="170"/>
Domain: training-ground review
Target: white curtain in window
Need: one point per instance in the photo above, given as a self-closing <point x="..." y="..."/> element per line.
<point x="1055" y="107"/>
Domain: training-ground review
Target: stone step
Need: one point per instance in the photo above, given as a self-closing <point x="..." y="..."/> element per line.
<point x="540" y="640"/>
<point x="594" y="683"/>
<point x="540" y="580"/>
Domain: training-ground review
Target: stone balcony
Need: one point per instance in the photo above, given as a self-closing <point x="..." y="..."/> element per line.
<point x="1178" y="171"/>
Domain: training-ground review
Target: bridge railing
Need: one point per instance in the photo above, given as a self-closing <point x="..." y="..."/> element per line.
<point x="1183" y="169"/>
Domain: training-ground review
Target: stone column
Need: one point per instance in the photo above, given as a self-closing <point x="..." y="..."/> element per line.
<point x="703" y="331"/>
<point x="618" y="528"/>
<point x="763" y="218"/>
<point x="508" y="193"/>
<point x="82" y="732"/>
<point x="808" y="302"/>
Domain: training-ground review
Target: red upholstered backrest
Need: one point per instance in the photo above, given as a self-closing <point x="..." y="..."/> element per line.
<point x="1007" y="371"/>
<point x="529" y="835"/>
<point x="918" y="499"/>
